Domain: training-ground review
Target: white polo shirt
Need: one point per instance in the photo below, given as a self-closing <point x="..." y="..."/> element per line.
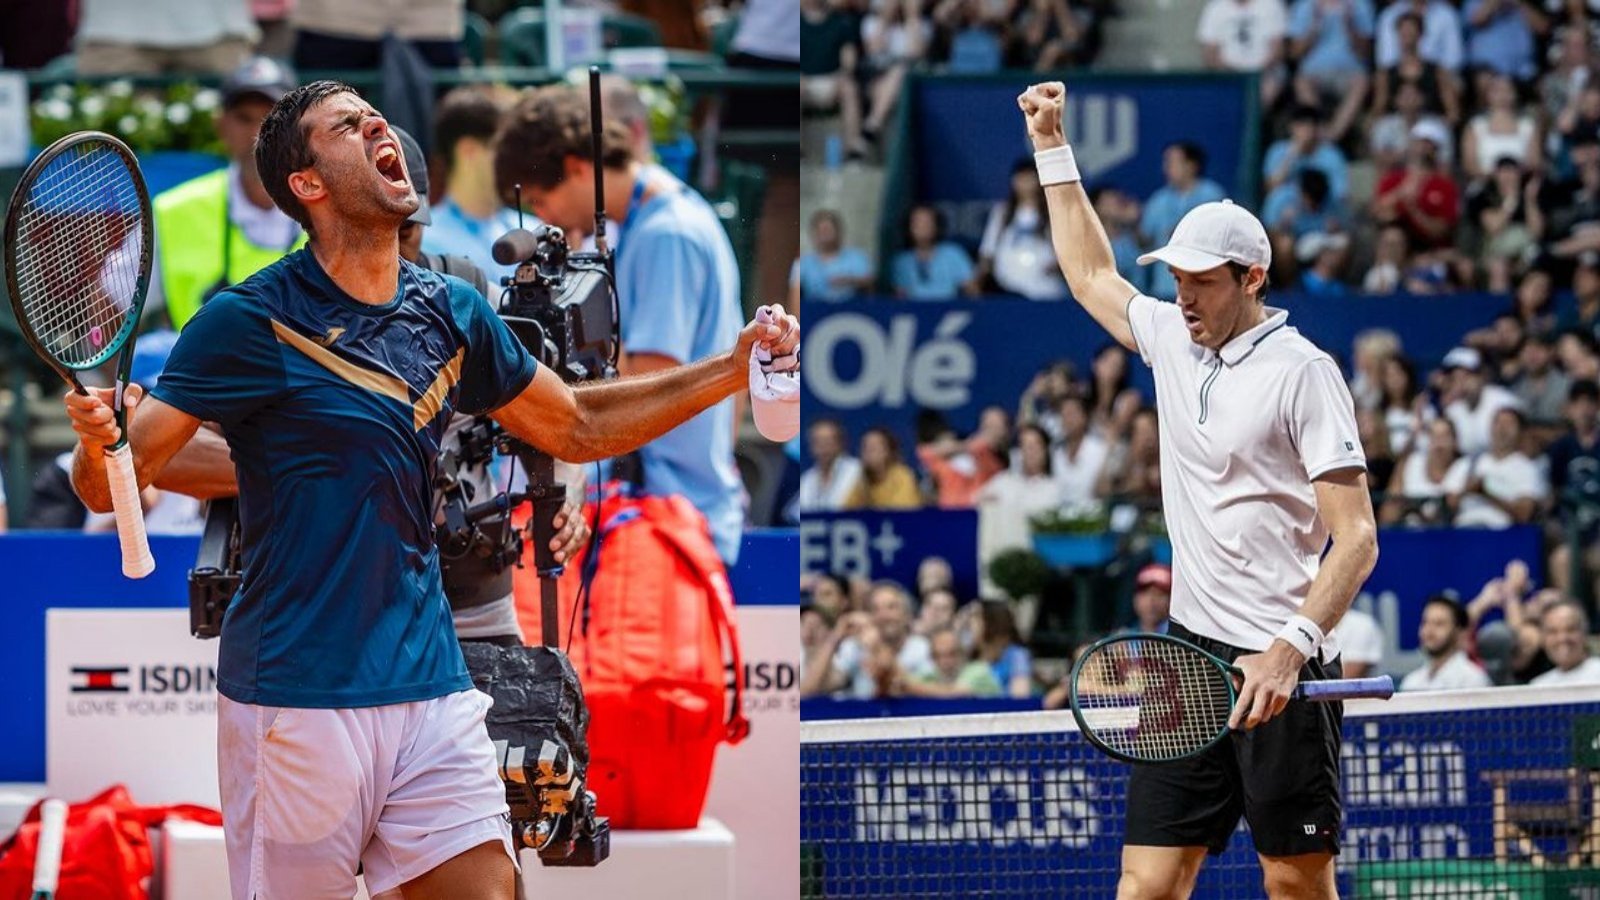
<point x="1243" y="435"/>
<point x="1458" y="673"/>
<point x="1586" y="672"/>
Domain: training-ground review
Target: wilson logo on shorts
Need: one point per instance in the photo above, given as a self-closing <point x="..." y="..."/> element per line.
<point x="1310" y="829"/>
<point x="99" y="681"/>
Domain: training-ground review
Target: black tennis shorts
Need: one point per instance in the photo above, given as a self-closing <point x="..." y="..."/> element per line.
<point x="1282" y="776"/>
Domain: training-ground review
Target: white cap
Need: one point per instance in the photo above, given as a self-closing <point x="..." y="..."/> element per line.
<point x="1432" y="131"/>
<point x="1462" y="358"/>
<point x="1212" y="234"/>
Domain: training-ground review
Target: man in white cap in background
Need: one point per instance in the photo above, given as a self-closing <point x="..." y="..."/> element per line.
<point x="1470" y="401"/>
<point x="1260" y="466"/>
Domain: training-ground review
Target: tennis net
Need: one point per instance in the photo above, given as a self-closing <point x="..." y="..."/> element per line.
<point x="1469" y="795"/>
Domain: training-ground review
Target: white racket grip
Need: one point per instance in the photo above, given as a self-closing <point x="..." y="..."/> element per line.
<point x="47" y="862"/>
<point x="136" y="559"/>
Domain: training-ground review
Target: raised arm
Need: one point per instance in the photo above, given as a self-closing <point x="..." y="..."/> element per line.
<point x="595" y="421"/>
<point x="1082" y="249"/>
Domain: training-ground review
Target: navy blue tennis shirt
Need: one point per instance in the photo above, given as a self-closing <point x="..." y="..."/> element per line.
<point x="334" y="410"/>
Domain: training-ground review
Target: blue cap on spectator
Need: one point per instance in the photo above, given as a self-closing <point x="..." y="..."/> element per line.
<point x="150" y="357"/>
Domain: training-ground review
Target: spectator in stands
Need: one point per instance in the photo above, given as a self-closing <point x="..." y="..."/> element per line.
<point x="1108" y="383"/>
<point x="1574" y="466"/>
<point x="830" y="53"/>
<point x="1360" y="643"/>
<point x="1425" y="477"/>
<point x="196" y="37"/>
<point x="1303" y="150"/>
<point x="1412" y="64"/>
<point x="1133" y="466"/>
<point x="1390" y="133"/>
<point x="975" y="34"/>
<point x="1421" y="197"/>
<point x="814" y="628"/>
<point x="1331" y="43"/>
<point x="1119" y="214"/>
<point x="1542" y="388"/>
<point x="1041" y="399"/>
<point x="1469" y="401"/>
<point x="953" y="674"/>
<point x="1309" y="216"/>
<point x="1580" y="119"/>
<point x="220" y="228"/>
<point x="1371" y="349"/>
<point x="1533" y="310"/>
<point x="893" y="39"/>
<point x="1008" y="501"/>
<point x="1152" y="599"/>
<point x="931" y="268"/>
<point x="1322" y="257"/>
<point x="830" y="594"/>
<point x="934" y="574"/>
<point x="936" y="611"/>
<point x="1078" y="458"/>
<point x="1391" y="260"/>
<point x="994" y="632"/>
<point x="470" y="216"/>
<point x="960" y="467"/>
<point x="1183" y="164"/>
<point x="1565" y="628"/>
<point x="831" y="270"/>
<point x="1501" y="130"/>
<point x="1585" y="311"/>
<point x="1246" y="36"/>
<point x="867" y="650"/>
<point x="1438" y="33"/>
<point x="1380" y="458"/>
<point x="1574" y="204"/>
<point x="885" y="482"/>
<point x="1446" y="666"/>
<point x="1574" y="67"/>
<point x="1579" y="355"/>
<point x="337" y="34"/>
<point x="1505" y="208"/>
<point x="1406" y="410"/>
<point x="1052" y="34"/>
<point x="1500" y="37"/>
<point x="833" y="473"/>
<point x="1504" y="487"/>
<point x="1015" y="254"/>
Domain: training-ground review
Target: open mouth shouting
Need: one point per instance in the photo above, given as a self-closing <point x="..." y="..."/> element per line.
<point x="390" y="165"/>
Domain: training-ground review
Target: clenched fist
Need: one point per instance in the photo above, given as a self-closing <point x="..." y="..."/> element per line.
<point x="1042" y="105"/>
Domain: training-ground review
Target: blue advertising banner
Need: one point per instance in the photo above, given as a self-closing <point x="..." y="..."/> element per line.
<point x="872" y="362"/>
<point x="1037" y="812"/>
<point x="967" y="132"/>
<point x="880" y="544"/>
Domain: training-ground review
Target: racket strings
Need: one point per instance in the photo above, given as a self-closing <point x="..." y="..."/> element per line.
<point x="80" y="241"/>
<point x="1151" y="699"/>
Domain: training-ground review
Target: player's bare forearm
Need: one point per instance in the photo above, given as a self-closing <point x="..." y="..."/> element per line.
<point x="156" y="431"/>
<point x="1082" y="249"/>
<point x="1344" y="503"/>
<point x="203" y="468"/>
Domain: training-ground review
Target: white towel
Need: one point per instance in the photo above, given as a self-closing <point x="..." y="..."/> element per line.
<point x="774" y="390"/>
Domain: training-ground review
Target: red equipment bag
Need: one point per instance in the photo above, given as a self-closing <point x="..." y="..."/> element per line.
<point x="105" y="851"/>
<point x="649" y="650"/>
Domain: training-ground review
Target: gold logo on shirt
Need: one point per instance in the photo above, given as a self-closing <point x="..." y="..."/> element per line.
<point x="328" y="339"/>
<point x="423" y="409"/>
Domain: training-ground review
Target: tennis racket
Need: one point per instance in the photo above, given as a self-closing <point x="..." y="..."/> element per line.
<point x="78" y="241"/>
<point x="1151" y="698"/>
<point x="47" y="860"/>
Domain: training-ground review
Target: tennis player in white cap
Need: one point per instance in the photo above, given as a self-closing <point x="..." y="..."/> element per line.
<point x="1260" y="466"/>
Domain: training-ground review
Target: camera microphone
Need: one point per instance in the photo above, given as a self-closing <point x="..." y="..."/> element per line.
<point x="516" y="246"/>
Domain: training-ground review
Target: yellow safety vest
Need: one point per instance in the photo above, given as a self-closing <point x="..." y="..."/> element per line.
<point x="187" y="219"/>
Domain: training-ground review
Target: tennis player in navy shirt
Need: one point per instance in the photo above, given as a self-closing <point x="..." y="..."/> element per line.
<point x="348" y="729"/>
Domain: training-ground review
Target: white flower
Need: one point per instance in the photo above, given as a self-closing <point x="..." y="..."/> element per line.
<point x="127" y="125"/>
<point x="55" y="108"/>
<point x="207" y="99"/>
<point x="122" y="87"/>
<point x="179" y="113"/>
<point x="93" y="105"/>
<point x="60" y="92"/>
<point x="149" y="107"/>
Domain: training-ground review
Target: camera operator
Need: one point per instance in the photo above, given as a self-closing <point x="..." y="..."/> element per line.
<point x="676" y="276"/>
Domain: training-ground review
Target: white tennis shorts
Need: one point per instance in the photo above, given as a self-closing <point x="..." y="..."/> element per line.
<point x="309" y="793"/>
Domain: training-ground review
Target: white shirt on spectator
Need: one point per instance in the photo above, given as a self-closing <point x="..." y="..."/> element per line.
<point x="1418" y="486"/>
<point x="1005" y="504"/>
<point x="1024" y="259"/>
<point x="1244" y="433"/>
<point x="849" y="660"/>
<point x="1472" y="422"/>
<point x="168" y="24"/>
<point x="1359" y="637"/>
<point x="1244" y="31"/>
<point x="1512" y="477"/>
<point x="1458" y="673"/>
<point x="902" y="41"/>
<point x="1586" y="672"/>
<point x="1441" y="35"/>
<point x="829" y="492"/>
<point x="1077" y="475"/>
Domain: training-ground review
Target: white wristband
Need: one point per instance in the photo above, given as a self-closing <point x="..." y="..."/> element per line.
<point x="1302" y="634"/>
<point x="1056" y="166"/>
